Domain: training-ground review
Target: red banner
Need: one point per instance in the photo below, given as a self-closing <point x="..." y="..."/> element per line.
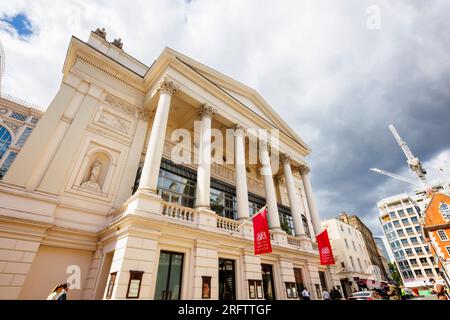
<point x="325" y="251"/>
<point x="261" y="233"/>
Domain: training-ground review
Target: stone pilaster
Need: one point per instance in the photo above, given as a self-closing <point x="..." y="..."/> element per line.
<point x="133" y="253"/>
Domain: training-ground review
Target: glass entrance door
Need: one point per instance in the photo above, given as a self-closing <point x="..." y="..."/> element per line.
<point x="267" y="279"/>
<point x="299" y="280"/>
<point x="168" y="279"/>
<point x="227" y="286"/>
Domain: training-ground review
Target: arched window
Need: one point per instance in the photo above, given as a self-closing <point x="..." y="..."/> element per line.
<point x="444" y="209"/>
<point x="5" y="140"/>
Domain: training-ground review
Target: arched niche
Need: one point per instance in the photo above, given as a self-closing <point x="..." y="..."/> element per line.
<point x="96" y="171"/>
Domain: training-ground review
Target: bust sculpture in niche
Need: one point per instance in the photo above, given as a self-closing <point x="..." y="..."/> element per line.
<point x="92" y="183"/>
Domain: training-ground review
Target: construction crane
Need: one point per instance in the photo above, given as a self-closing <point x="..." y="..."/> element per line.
<point x="396" y="176"/>
<point x="413" y="162"/>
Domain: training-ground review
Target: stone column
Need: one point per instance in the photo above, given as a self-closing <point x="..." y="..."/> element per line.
<point x="294" y="200"/>
<point x="241" y="173"/>
<point x="315" y="218"/>
<point x="269" y="187"/>
<point x="204" y="161"/>
<point x="150" y="170"/>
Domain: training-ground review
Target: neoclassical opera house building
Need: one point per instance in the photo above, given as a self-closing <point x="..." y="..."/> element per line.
<point x="95" y="196"/>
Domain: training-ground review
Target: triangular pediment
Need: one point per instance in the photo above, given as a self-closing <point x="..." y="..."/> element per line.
<point x="247" y="97"/>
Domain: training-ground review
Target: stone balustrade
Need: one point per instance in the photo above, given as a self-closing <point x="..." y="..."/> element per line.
<point x="177" y="212"/>
<point x="226" y="224"/>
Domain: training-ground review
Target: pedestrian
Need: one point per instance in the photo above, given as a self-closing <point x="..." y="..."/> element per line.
<point x="338" y="294"/>
<point x="63" y="294"/>
<point x="325" y="295"/>
<point x="438" y="290"/>
<point x="333" y="293"/>
<point x="393" y="292"/>
<point x="305" y="294"/>
<point x="55" y="293"/>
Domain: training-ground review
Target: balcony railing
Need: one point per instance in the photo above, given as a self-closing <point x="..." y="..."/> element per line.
<point x="294" y="241"/>
<point x="177" y="212"/>
<point x="226" y="224"/>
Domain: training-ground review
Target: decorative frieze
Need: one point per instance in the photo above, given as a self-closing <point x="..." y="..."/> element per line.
<point x="114" y="122"/>
<point x="119" y="104"/>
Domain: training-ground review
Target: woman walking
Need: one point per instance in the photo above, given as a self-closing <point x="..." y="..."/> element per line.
<point x="55" y="293"/>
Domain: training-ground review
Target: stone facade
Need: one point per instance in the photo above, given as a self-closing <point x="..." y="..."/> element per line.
<point x="86" y="193"/>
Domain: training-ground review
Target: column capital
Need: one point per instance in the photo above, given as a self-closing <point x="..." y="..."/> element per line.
<point x="207" y="110"/>
<point x="304" y="169"/>
<point x="167" y="86"/>
<point x="239" y="129"/>
<point x="145" y="115"/>
<point x="265" y="144"/>
<point x="285" y="158"/>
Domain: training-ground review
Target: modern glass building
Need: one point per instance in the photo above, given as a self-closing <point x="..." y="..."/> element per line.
<point x="400" y="220"/>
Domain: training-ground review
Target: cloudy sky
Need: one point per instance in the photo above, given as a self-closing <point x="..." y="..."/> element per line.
<point x="332" y="69"/>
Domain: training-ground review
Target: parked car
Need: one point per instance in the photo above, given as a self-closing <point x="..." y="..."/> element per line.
<point x="365" y="295"/>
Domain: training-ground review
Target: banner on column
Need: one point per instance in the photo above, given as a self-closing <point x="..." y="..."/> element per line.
<point x="325" y="251"/>
<point x="261" y="232"/>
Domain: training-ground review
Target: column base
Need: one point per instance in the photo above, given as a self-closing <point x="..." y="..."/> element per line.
<point x="144" y="203"/>
<point x="279" y="236"/>
<point x="206" y="219"/>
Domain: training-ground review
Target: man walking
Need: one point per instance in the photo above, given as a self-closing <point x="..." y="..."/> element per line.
<point x="325" y="295"/>
<point x="305" y="294"/>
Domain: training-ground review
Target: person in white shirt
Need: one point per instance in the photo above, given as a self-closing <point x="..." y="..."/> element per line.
<point x="326" y="295"/>
<point x="56" y="292"/>
<point x="305" y="294"/>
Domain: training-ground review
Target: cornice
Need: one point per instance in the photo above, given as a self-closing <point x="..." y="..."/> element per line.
<point x="80" y="51"/>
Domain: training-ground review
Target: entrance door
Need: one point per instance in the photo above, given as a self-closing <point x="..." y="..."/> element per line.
<point x="227" y="286"/>
<point x="323" y="280"/>
<point x="168" y="279"/>
<point x="299" y="281"/>
<point x="267" y="279"/>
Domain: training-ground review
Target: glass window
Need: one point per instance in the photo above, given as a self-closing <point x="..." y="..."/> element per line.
<point x="418" y="250"/>
<point x="418" y="273"/>
<point x="400" y="233"/>
<point x="396" y="224"/>
<point x="306" y="226"/>
<point x="413" y="261"/>
<point x="18" y="116"/>
<point x="409" y="230"/>
<point x="444" y="209"/>
<point x="346" y="243"/>
<point x="409" y="210"/>
<point x="223" y="203"/>
<point x="405" y="222"/>
<point x="405" y="242"/>
<point x="392" y="215"/>
<point x="5" y="140"/>
<point x="401" y="213"/>
<point x="414" y="220"/>
<point x="442" y="235"/>
<point x="414" y="240"/>
<point x="175" y="188"/>
<point x="26" y="133"/>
